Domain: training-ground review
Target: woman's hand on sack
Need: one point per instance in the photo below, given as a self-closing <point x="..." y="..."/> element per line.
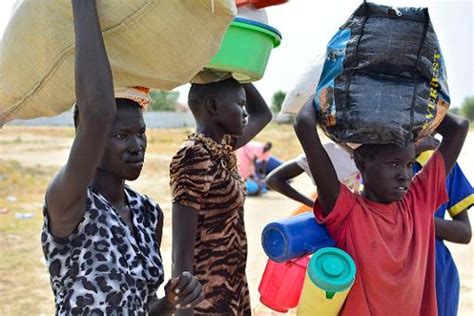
<point x="184" y="292"/>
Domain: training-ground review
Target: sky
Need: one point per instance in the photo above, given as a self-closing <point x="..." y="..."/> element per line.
<point x="307" y="26"/>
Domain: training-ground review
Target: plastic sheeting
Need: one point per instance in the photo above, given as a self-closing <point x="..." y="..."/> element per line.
<point x="304" y="88"/>
<point x="384" y="79"/>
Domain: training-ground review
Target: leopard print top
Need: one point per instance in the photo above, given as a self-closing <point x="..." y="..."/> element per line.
<point x="102" y="268"/>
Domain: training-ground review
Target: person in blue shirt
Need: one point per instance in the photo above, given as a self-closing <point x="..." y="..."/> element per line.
<point x="457" y="230"/>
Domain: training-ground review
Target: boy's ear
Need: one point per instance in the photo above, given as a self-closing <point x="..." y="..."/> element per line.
<point x="211" y="105"/>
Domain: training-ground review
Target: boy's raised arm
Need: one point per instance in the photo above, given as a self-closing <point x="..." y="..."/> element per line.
<point x="454" y="129"/>
<point x="319" y="162"/>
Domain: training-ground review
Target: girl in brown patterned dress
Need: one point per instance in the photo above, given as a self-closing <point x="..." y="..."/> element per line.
<point x="208" y="195"/>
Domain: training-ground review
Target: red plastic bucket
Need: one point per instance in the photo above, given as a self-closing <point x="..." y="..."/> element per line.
<point x="282" y="283"/>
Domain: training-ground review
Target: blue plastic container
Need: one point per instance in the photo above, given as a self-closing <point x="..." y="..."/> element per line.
<point x="294" y="237"/>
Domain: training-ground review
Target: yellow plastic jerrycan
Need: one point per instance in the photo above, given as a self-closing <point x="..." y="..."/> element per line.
<point x="329" y="277"/>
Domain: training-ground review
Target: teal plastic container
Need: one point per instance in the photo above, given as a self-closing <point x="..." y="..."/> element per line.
<point x="245" y="50"/>
<point x="330" y="275"/>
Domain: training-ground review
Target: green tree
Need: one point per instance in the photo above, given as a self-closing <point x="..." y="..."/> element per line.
<point x="467" y="108"/>
<point x="163" y="100"/>
<point x="277" y="100"/>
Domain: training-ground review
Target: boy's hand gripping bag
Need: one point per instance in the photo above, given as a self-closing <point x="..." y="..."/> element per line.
<point x="384" y="79"/>
<point x="151" y="43"/>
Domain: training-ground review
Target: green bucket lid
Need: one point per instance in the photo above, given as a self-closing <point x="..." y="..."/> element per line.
<point x="331" y="269"/>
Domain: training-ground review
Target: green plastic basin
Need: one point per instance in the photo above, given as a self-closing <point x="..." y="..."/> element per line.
<point x="245" y="50"/>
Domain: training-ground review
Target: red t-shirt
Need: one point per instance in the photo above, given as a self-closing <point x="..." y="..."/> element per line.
<point x="392" y="245"/>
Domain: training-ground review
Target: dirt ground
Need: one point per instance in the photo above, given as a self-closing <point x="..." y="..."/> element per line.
<point x="29" y="157"/>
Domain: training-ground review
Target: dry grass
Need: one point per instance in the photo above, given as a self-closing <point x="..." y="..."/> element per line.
<point x="24" y="285"/>
<point x="29" y="157"/>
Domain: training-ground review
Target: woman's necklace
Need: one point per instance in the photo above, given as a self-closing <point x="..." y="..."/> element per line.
<point x="223" y="151"/>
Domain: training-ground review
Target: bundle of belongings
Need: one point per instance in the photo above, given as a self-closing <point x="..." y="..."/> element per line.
<point x="384" y="79"/>
<point x="148" y="44"/>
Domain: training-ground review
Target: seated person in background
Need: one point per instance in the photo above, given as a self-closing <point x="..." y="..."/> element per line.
<point x="255" y="161"/>
<point x="457" y="230"/>
<point x="279" y="179"/>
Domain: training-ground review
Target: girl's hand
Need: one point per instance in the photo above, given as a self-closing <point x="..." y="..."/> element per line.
<point x="184" y="291"/>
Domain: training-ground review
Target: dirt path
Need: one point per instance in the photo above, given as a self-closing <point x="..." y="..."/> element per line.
<point x="259" y="212"/>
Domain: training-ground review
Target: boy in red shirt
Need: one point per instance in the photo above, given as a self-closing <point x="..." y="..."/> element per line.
<point x="388" y="229"/>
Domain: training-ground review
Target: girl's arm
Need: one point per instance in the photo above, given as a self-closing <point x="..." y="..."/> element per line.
<point x="181" y="291"/>
<point x="259" y="115"/>
<point x="454" y="129"/>
<point x="184" y="227"/>
<point x="457" y="230"/>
